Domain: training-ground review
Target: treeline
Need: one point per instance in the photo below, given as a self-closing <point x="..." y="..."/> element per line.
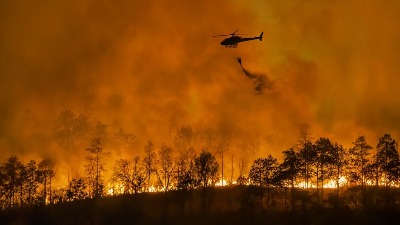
<point x="195" y="158"/>
<point x="313" y="166"/>
<point x="26" y="184"/>
<point x="31" y="184"/>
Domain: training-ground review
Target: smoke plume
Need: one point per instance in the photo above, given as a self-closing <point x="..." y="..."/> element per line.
<point x="138" y="65"/>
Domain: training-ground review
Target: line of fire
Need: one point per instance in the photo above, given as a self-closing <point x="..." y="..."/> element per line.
<point x="194" y="159"/>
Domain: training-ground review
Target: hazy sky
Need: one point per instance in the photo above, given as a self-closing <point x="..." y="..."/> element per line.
<point x="138" y="65"/>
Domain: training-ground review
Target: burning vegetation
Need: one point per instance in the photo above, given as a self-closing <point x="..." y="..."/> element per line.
<point x="196" y="158"/>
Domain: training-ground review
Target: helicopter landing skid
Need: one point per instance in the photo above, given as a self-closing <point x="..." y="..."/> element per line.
<point x="232" y="46"/>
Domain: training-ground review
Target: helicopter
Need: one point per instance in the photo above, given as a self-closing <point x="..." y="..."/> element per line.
<point x="234" y="40"/>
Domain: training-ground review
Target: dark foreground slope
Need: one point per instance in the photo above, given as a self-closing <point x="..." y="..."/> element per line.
<point x="222" y="206"/>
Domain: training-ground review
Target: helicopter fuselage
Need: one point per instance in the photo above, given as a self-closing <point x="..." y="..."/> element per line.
<point x="234" y="40"/>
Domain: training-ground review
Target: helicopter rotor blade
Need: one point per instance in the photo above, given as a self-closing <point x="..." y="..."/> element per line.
<point x="234" y="33"/>
<point x="221" y="35"/>
<point x="231" y="34"/>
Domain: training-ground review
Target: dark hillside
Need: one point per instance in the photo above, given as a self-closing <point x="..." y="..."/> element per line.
<point x="229" y="205"/>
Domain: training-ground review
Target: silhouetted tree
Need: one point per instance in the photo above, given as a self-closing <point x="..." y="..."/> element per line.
<point x="206" y="169"/>
<point x="306" y="154"/>
<point x="282" y="181"/>
<point x="290" y="166"/>
<point x="32" y="179"/>
<point x="122" y="174"/>
<point x="165" y="174"/>
<point x="289" y="169"/>
<point x="324" y="160"/>
<point x="95" y="166"/>
<point x="262" y="173"/>
<point x="358" y="160"/>
<point x="77" y="189"/>
<point x="387" y="159"/>
<point x="339" y="164"/>
<point x="138" y="176"/>
<point x="150" y="161"/>
<point x="371" y="172"/>
<point x="246" y="146"/>
<point x="186" y="180"/>
<point x="307" y="157"/>
<point x="11" y="171"/>
<point x="184" y="168"/>
<point x="257" y="172"/>
<point x="225" y="131"/>
<point x="46" y="171"/>
<point x="130" y="174"/>
<point x="185" y="176"/>
<point x="59" y="195"/>
<point x="2" y="187"/>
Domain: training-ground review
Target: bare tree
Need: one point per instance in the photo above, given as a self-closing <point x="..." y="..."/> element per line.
<point x="149" y="161"/>
<point x="46" y="170"/>
<point x="130" y="174"/>
<point x="166" y="166"/>
<point x="95" y="166"/>
<point x="138" y="177"/>
<point x="225" y="131"/>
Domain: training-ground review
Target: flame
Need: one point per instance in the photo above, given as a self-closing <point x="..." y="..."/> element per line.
<point x="115" y="189"/>
<point x="221" y="183"/>
<point x="110" y="191"/>
<point x="304" y="185"/>
<point x="153" y="189"/>
<point x="329" y="184"/>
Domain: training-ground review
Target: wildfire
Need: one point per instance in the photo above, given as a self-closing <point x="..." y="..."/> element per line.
<point x="221" y="183"/>
<point x="328" y="184"/>
<point x="305" y="185"/>
<point x="115" y="189"/>
<point x="153" y="189"/>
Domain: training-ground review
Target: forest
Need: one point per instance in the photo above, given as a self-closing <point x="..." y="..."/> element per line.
<point x="198" y="175"/>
